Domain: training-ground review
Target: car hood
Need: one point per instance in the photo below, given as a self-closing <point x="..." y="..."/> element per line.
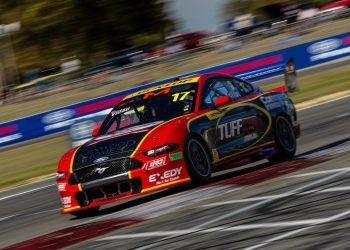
<point x="112" y="146"/>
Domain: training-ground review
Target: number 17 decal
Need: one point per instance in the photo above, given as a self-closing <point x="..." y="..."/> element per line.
<point x="182" y="94"/>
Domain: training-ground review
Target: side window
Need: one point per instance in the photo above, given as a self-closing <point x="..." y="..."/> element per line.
<point x="244" y="88"/>
<point x="219" y="87"/>
<point x="128" y="118"/>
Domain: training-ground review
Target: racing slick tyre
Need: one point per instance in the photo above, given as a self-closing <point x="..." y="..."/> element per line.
<point x="198" y="161"/>
<point x="86" y="212"/>
<point x="286" y="143"/>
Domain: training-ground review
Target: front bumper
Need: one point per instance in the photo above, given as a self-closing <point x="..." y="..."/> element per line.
<point x="94" y="193"/>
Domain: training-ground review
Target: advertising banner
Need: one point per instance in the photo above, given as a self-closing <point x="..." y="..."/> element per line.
<point x="252" y="69"/>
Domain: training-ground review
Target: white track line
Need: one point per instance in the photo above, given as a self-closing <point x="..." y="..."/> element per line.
<point x="343" y="115"/>
<point x="327" y="190"/>
<point x="243" y="200"/>
<point x="169" y="204"/>
<point x="321" y="103"/>
<point x="214" y="229"/>
<point x="26" y="192"/>
<point x="317" y="191"/>
<point x="293" y="192"/>
<point x="8" y="217"/>
<point x="286" y="235"/>
<point x="317" y="173"/>
<point x="250" y="207"/>
<point x="283" y="224"/>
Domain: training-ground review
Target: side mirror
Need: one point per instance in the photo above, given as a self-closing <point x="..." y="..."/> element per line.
<point x="222" y="100"/>
<point x="95" y="132"/>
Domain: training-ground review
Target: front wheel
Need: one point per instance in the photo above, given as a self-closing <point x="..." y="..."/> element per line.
<point x="285" y="140"/>
<point x="198" y="161"/>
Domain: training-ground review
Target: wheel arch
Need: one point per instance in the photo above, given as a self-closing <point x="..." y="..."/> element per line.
<point x="202" y="140"/>
<point x="282" y="113"/>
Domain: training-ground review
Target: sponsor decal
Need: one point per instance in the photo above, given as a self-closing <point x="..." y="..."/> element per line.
<point x="157" y="163"/>
<point x="166" y="176"/>
<point x="266" y="99"/>
<point x="82" y="130"/>
<point x="10" y="137"/>
<point x="157" y="150"/>
<point x="8" y="129"/>
<point x="214" y="115"/>
<point x="120" y="111"/>
<point x="59" y="125"/>
<point x="66" y="201"/>
<point x="251" y="65"/>
<point x="267" y="152"/>
<point x="162" y="86"/>
<point x="260" y="72"/>
<point x="346" y="40"/>
<point x="250" y="137"/>
<point x="272" y="101"/>
<point x="333" y="53"/>
<point x="153" y="94"/>
<point x="175" y="156"/>
<point x="101" y="159"/>
<point x="58" y="116"/>
<point x="61" y="175"/>
<point x="230" y="129"/>
<point x="215" y="154"/>
<point x="274" y="105"/>
<point x="61" y="187"/>
<point x="324" y="46"/>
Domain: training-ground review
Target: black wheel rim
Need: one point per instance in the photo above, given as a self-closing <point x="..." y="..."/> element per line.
<point x="198" y="158"/>
<point x="286" y="134"/>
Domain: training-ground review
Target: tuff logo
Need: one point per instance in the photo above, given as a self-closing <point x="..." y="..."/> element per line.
<point x="230" y="129"/>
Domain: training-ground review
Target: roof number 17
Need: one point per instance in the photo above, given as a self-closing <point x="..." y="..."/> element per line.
<point x="180" y="96"/>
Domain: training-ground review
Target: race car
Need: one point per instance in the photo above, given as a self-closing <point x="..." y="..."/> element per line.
<point x="178" y="132"/>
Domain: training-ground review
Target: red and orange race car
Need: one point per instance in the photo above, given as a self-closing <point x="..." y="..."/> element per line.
<point x="175" y="133"/>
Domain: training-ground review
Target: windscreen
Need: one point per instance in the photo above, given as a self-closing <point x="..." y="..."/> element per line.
<point x="159" y="105"/>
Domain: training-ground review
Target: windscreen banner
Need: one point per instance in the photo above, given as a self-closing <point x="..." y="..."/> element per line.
<point x="252" y="69"/>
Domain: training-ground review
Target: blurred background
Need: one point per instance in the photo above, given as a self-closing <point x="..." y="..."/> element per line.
<point x="64" y="64"/>
<point x="56" y="53"/>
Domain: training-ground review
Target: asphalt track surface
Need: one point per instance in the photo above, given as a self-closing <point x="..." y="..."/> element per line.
<point x="299" y="204"/>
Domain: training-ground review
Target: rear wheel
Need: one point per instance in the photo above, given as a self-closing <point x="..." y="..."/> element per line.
<point x="285" y="140"/>
<point x="198" y="161"/>
<point x="86" y="212"/>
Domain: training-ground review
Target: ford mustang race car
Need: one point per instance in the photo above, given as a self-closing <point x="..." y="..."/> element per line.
<point x="175" y="133"/>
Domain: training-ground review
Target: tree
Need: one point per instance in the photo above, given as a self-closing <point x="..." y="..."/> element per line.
<point x="89" y="29"/>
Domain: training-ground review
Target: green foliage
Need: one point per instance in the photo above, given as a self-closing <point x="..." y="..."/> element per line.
<point x="89" y="29"/>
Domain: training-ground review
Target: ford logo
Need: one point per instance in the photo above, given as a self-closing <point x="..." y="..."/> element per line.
<point x="324" y="46"/>
<point x="58" y="116"/>
<point x="101" y="159"/>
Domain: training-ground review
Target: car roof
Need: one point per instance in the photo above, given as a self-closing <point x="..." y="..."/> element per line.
<point x="200" y="78"/>
<point x="164" y="85"/>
